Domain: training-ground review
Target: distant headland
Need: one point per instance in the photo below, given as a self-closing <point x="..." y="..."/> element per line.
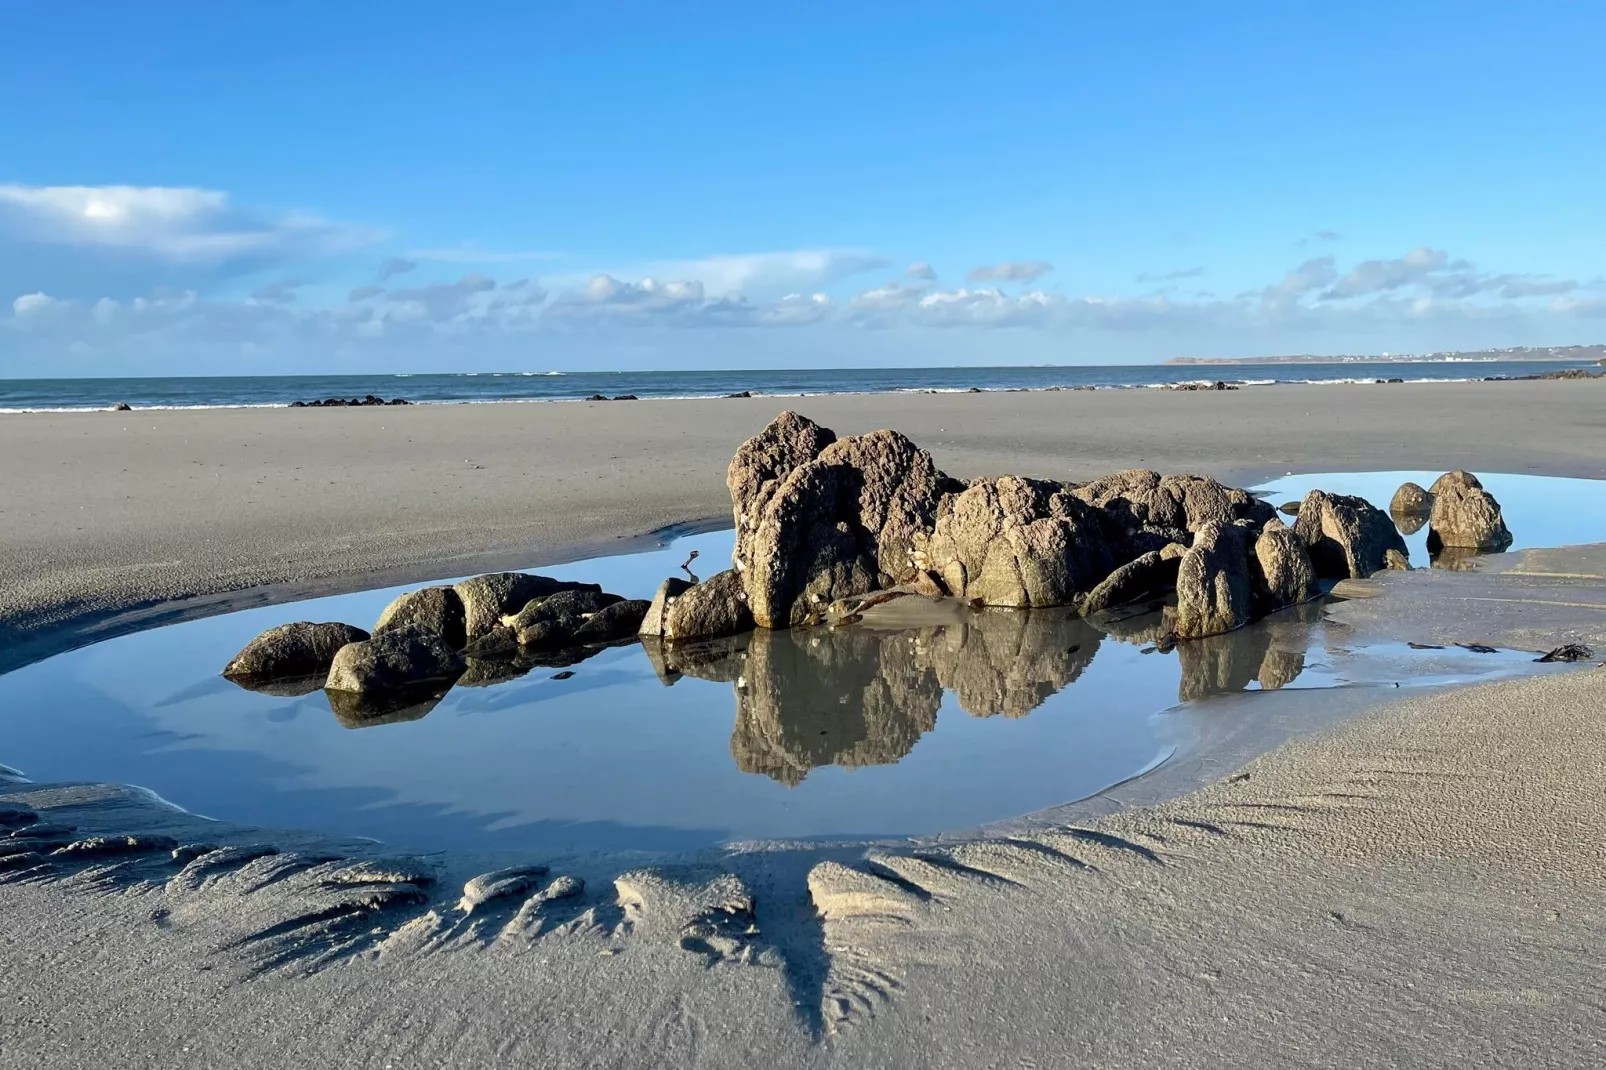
<point x="1580" y="353"/>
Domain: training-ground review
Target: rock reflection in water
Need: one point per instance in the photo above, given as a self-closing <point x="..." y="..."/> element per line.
<point x="863" y="695"/>
<point x="488" y="671"/>
<point x="1003" y="661"/>
<point x="281" y="686"/>
<point x="846" y="696"/>
<point x="355" y="709"/>
<point x="1270" y="654"/>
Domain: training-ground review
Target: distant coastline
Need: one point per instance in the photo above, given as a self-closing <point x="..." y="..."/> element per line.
<point x="278" y="391"/>
<point x="1596" y="353"/>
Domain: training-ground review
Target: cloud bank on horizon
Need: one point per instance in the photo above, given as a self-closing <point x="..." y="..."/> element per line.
<point x="226" y="287"/>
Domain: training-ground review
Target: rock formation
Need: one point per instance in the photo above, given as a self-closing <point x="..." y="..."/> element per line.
<point x="1017" y="542"/>
<point x="1411" y="500"/>
<point x="617" y="620"/>
<point x="1213" y="585"/>
<point x="487" y="599"/>
<point x="1347" y="537"/>
<point x="554" y="619"/>
<point x="716" y="607"/>
<point x="1151" y="510"/>
<point x="437" y="610"/>
<point x="393" y="660"/>
<point x="818" y="519"/>
<point x="1280" y="569"/>
<point x="1465" y="516"/>
<point x="299" y="649"/>
<point x="652" y="622"/>
<point x="761" y="463"/>
<point x="1151" y="574"/>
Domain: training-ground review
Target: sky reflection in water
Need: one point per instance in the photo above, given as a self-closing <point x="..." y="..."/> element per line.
<point x="844" y="732"/>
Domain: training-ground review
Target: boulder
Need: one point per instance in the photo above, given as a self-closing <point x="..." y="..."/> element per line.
<point x="1280" y="569"/>
<point x="1147" y="510"/>
<point x="1151" y="574"/>
<point x="716" y="607"/>
<point x="1347" y="536"/>
<point x="619" y="620"/>
<point x="1410" y="507"/>
<point x="1411" y="500"/>
<point x="1017" y="542"/>
<point x="762" y="462"/>
<point x="487" y="599"/>
<point x="299" y="649"/>
<point x="819" y="519"/>
<point x="1213" y="584"/>
<point x="1458" y="478"/>
<point x="652" y="623"/>
<point x="801" y="556"/>
<point x="554" y="620"/>
<point x="1465" y="516"/>
<point x="892" y="489"/>
<point x="438" y="610"/>
<point x="393" y="660"/>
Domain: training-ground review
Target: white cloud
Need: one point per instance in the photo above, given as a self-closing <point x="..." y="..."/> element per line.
<point x="1010" y="271"/>
<point x="176" y="224"/>
<point x="769" y="274"/>
<point x="33" y="304"/>
<point x="990" y="307"/>
<point x="889" y="295"/>
<point x="797" y="310"/>
<point x="1424" y="298"/>
<point x="1308" y="277"/>
<point x="1380" y="276"/>
<point x="443" y="301"/>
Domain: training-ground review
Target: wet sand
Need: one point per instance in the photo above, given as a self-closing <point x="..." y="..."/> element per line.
<point x="107" y="519"/>
<point x="1420" y="885"/>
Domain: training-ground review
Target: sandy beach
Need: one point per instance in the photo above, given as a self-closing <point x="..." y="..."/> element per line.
<point x="1410" y="883"/>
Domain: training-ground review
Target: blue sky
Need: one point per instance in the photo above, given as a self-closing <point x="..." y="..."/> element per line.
<point x="190" y="188"/>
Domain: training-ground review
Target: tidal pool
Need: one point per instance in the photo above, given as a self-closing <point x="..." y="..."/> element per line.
<point x="849" y="732"/>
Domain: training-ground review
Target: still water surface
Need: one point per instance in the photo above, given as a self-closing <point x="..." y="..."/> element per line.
<point x="820" y="733"/>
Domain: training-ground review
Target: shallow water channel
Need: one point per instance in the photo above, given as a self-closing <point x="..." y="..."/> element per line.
<point x="849" y="732"/>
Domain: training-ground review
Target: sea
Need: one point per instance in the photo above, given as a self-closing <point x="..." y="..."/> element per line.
<point x="257" y="391"/>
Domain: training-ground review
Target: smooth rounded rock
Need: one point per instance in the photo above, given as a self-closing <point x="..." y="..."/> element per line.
<point x="298" y="649"/>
